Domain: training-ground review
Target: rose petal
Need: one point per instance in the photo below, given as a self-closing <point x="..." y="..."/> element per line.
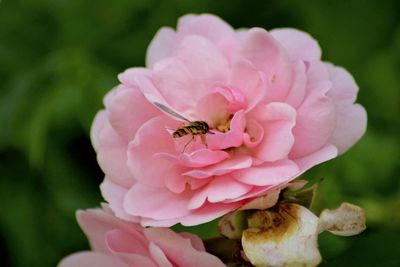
<point x="211" y="27"/>
<point x="254" y="134"/>
<point x="232" y="138"/>
<point x="208" y="212"/>
<point x="199" y="158"/>
<point x="213" y="192"/>
<point x="351" y="124"/>
<point x="213" y="108"/>
<point x="298" y="90"/>
<point x="159" y="256"/>
<point x="326" y="153"/>
<point x="344" y="88"/>
<point x="114" y="194"/>
<point x="207" y="25"/>
<point x="129" y="109"/>
<point x="95" y="223"/>
<point x="156" y="203"/>
<point x="249" y="81"/>
<point x="237" y="100"/>
<point x="264" y="202"/>
<point x="175" y="181"/>
<point x="97" y="126"/>
<point x="111" y="156"/>
<point x="161" y="46"/>
<point x="226" y="166"/>
<point x="318" y="78"/>
<point x="298" y="44"/>
<point x="277" y="119"/>
<point x="180" y="250"/>
<point x="269" y="57"/>
<point x="141" y="78"/>
<point x="177" y="85"/>
<point x="351" y="119"/>
<point x="196" y="241"/>
<point x="90" y="259"/>
<point x="150" y="139"/>
<point x="314" y="127"/>
<point x="203" y="60"/>
<point x="270" y="173"/>
<point x="120" y="241"/>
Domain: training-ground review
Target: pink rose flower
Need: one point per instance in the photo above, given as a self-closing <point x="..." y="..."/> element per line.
<point x="274" y="109"/>
<point x="122" y="244"/>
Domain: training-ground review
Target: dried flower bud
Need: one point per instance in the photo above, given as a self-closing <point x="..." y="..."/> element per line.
<point x="285" y="235"/>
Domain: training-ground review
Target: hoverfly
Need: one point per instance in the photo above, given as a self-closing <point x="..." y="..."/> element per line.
<point x="193" y="128"/>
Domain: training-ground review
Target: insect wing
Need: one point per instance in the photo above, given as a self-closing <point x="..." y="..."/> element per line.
<point x="170" y="111"/>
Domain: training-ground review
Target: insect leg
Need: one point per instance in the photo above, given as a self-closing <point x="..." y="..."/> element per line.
<point x="191" y="140"/>
<point x="204" y="140"/>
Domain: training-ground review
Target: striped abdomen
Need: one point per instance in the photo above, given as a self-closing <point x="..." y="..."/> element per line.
<point x="194" y="128"/>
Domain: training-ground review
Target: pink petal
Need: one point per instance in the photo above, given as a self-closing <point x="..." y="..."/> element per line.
<point x="208" y="212"/>
<point x="298" y="89"/>
<point x="326" y="153"/>
<point x="213" y="108"/>
<point x="141" y="78"/>
<point x="156" y="203"/>
<point x="114" y="194"/>
<point x="315" y="124"/>
<point x="299" y="45"/>
<point x="318" y="79"/>
<point x="254" y="134"/>
<point x="111" y="155"/>
<point x="96" y="223"/>
<point x="129" y="109"/>
<point x="203" y="60"/>
<point x="257" y="191"/>
<point x="195" y="241"/>
<point x="211" y="27"/>
<point x="344" y="88"/>
<point x="97" y="126"/>
<point x="199" y="158"/>
<point x="199" y="183"/>
<point x="129" y="77"/>
<point x="110" y="94"/>
<point x="232" y="138"/>
<point x="206" y="25"/>
<point x="179" y="250"/>
<point x="224" y="167"/>
<point x="90" y="259"/>
<point x="235" y="97"/>
<point x="265" y="53"/>
<point x="351" y="119"/>
<point x="218" y="190"/>
<point x="246" y="78"/>
<point x="149" y="222"/>
<point x="123" y="242"/>
<point x="351" y="124"/>
<point x="175" y="181"/>
<point x="270" y="173"/>
<point x="151" y="138"/>
<point x="277" y="120"/>
<point x="158" y="256"/>
<point x="161" y="46"/>
<point x="177" y="85"/>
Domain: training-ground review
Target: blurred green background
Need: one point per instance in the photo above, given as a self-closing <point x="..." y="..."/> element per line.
<point x="58" y="58"/>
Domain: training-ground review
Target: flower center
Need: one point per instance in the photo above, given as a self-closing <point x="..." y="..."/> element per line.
<point x="225" y="124"/>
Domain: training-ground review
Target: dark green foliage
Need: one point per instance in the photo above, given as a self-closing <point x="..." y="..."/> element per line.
<point x="58" y="59"/>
